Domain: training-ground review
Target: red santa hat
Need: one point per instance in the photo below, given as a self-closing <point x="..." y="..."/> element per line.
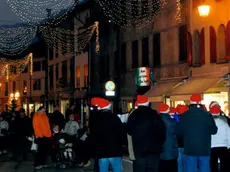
<point x="214" y="103"/>
<point x="215" y="110"/>
<point x="100" y="103"/>
<point x="181" y="109"/>
<point x="141" y="101"/>
<point x="172" y="110"/>
<point x="163" y="108"/>
<point x="195" y="99"/>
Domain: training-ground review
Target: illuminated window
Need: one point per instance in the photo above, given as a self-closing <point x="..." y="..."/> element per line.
<point x="78" y="77"/>
<point x="86" y="75"/>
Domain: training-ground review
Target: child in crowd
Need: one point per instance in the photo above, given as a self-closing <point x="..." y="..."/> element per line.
<point x="71" y="128"/>
<point x="4" y="127"/>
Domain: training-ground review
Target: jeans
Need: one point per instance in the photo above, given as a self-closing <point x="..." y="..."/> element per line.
<point x="220" y="153"/>
<point x="180" y="159"/>
<point x="192" y="162"/>
<point x="149" y="163"/>
<point x="116" y="164"/>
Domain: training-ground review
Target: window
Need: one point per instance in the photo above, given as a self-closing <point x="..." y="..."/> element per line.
<point x="14" y="86"/>
<point x="64" y="71"/>
<point x="183" y="43"/>
<point x="145" y="52"/>
<point x="25" y="69"/>
<point x="24" y="87"/>
<point x="86" y="75"/>
<point x="57" y="71"/>
<point x="56" y="49"/>
<point x="157" y="50"/>
<point x="37" y="84"/>
<point x="6" y="89"/>
<point x="37" y="66"/>
<point x="135" y="54"/>
<point x="44" y="65"/>
<point x="78" y="76"/>
<point x="51" y="53"/>
<point x="51" y="75"/>
<point x="123" y="57"/>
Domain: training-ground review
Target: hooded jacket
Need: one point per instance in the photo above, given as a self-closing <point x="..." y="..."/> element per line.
<point x="41" y="125"/>
<point x="222" y="137"/>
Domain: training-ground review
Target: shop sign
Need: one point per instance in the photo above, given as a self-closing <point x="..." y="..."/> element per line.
<point x="142" y="77"/>
<point x="110" y="88"/>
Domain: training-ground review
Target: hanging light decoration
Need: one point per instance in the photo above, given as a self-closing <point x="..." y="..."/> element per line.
<point x="133" y="13"/>
<point x="35" y="11"/>
<point x="178" y="11"/>
<point x="13" y="41"/>
<point x="69" y="41"/>
<point x="204" y="10"/>
<point x="12" y="68"/>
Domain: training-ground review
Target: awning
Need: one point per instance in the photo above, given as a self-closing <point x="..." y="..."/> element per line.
<point x="160" y="90"/>
<point x="193" y="86"/>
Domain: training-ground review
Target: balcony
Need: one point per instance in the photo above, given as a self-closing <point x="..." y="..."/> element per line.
<point x="171" y="71"/>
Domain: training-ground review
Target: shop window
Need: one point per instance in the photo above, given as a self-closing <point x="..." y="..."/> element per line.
<point x="157" y="50"/>
<point x="37" y="66"/>
<point x="78" y="77"/>
<point x="37" y="84"/>
<point x="135" y="54"/>
<point x="145" y="52"/>
<point x="183" y="43"/>
<point x="86" y="75"/>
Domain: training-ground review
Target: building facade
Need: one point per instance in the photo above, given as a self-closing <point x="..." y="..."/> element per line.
<point x="187" y="56"/>
<point x="27" y="90"/>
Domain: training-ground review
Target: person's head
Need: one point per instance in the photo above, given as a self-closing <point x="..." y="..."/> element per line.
<point x="100" y="103"/>
<point x="56" y="129"/>
<point x="195" y="99"/>
<point x="141" y="101"/>
<point x="22" y="112"/>
<point x="163" y="108"/>
<point x="42" y="109"/>
<point x="71" y="117"/>
<point x="56" y="108"/>
<point x="182" y="109"/>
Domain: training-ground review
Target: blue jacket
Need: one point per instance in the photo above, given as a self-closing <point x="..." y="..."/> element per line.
<point x="170" y="148"/>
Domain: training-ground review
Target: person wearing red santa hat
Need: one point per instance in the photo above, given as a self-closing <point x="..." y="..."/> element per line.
<point x="148" y="135"/>
<point x="168" y="158"/>
<point x="220" y="142"/>
<point x="108" y="136"/>
<point x="181" y="109"/>
<point x="196" y="127"/>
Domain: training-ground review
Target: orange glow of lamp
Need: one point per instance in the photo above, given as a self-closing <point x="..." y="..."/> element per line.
<point x="204" y="10"/>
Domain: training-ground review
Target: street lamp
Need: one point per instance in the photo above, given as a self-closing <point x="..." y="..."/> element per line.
<point x="204" y="10"/>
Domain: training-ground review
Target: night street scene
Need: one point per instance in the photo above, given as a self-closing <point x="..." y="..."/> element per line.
<point x="114" y="85"/>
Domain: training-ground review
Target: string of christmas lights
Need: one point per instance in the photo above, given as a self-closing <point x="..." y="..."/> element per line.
<point x="70" y="41"/>
<point x="13" y="41"/>
<point x="129" y="14"/>
<point x="178" y="11"/>
<point x="35" y="11"/>
<point x="12" y="68"/>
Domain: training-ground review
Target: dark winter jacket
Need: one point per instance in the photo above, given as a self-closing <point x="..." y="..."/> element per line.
<point x="107" y="135"/>
<point x="196" y="127"/>
<point x="23" y="126"/>
<point x="147" y="130"/>
<point x="170" y="148"/>
<point x="57" y="118"/>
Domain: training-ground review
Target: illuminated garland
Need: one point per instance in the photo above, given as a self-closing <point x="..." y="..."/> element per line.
<point x="132" y="13"/>
<point x="12" y="68"/>
<point x="178" y="11"/>
<point x="35" y="11"/>
<point x="71" y="41"/>
<point x="13" y="41"/>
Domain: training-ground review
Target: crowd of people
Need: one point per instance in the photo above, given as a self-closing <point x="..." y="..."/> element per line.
<point x="177" y="139"/>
